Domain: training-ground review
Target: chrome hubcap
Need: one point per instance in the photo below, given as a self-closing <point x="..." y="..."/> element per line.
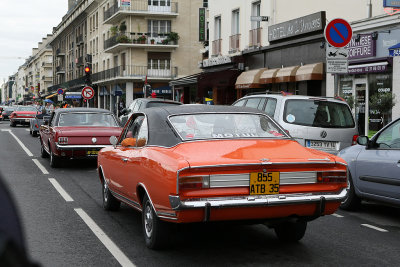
<point x="105" y="192"/>
<point x="148" y="221"/>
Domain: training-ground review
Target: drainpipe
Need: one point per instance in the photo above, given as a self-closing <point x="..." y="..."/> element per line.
<point x="369" y="9"/>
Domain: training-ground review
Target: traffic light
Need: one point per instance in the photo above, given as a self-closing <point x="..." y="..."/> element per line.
<point x="88" y="73"/>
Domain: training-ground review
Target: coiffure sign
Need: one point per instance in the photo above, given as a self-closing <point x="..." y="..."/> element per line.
<point x="364" y="48"/>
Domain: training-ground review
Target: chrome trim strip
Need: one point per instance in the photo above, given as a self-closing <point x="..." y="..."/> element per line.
<point x="126" y="200"/>
<point x="325" y="159"/>
<point x="71" y="147"/>
<point x="166" y="217"/>
<point x="255" y="201"/>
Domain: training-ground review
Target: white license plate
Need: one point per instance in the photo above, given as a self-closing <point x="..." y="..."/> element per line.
<point x="27" y="120"/>
<point x="321" y="144"/>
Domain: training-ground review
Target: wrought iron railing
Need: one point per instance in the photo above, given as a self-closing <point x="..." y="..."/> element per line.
<point x="146" y="39"/>
<point x="130" y="71"/>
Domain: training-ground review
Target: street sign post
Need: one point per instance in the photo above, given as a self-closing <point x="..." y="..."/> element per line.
<point x="259" y="18"/>
<point x="338" y="33"/>
<point x="87" y="92"/>
<point x="60" y="98"/>
<point x="336" y="65"/>
<point x="60" y="91"/>
<point x="336" y="53"/>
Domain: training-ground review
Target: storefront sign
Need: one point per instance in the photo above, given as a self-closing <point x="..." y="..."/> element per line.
<point x="367" y="69"/>
<point x="336" y="65"/>
<point x="306" y="24"/>
<point x="73" y="95"/>
<point x="391" y="3"/>
<point x="125" y="2"/>
<point x="202" y="24"/>
<point x="216" y="61"/>
<point x="364" y="48"/>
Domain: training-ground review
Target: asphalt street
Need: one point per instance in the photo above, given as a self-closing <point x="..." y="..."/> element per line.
<point x="65" y="224"/>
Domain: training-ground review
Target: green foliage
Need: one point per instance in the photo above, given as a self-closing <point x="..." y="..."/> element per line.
<point x="382" y="102"/>
<point x="122" y="27"/>
<point x="173" y="36"/>
<point x="123" y="39"/>
<point x="114" y="30"/>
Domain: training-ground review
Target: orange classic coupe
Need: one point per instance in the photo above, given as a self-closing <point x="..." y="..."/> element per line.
<point x="199" y="163"/>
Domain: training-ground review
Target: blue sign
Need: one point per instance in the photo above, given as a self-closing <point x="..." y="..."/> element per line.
<point x="338" y="33"/>
<point x="391" y="3"/>
<point x="60" y="91"/>
<point x="394" y="51"/>
<point x="73" y="96"/>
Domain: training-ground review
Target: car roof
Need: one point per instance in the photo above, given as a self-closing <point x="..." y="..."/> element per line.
<point x="158" y="100"/>
<point x="71" y="110"/>
<point x="183" y="109"/>
<point x="281" y="96"/>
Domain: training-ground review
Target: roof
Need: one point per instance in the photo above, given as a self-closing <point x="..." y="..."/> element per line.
<point x="67" y="110"/>
<point x="280" y="95"/>
<point x="157" y="100"/>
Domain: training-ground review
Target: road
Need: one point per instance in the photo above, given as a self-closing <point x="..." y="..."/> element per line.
<point x="65" y="225"/>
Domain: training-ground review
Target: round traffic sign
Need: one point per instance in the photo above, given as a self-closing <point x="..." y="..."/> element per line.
<point x="87" y="92"/>
<point x="338" y="32"/>
<point x="60" y="91"/>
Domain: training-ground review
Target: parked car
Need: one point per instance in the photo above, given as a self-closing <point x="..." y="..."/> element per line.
<point x="77" y="133"/>
<point x="22" y="115"/>
<point x="142" y="103"/>
<point x="374" y="168"/>
<point x="7" y="112"/>
<point x="199" y="163"/>
<point x="322" y="123"/>
<point x="37" y="121"/>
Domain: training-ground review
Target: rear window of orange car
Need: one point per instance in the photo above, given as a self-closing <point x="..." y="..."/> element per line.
<point x="225" y="126"/>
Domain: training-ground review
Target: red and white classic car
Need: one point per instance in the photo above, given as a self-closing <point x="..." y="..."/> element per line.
<point x="22" y="115"/>
<point x="77" y="133"/>
<point x="200" y="163"/>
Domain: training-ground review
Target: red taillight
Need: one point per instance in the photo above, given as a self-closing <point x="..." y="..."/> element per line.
<point x="62" y="140"/>
<point x="354" y="142"/>
<point x="194" y="182"/>
<point x="332" y="177"/>
<point x="36" y="126"/>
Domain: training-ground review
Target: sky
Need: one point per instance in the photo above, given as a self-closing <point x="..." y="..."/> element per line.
<point x="23" y="24"/>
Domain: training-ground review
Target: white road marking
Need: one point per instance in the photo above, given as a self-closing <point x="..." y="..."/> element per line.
<point x="337" y="215"/>
<point x="60" y="190"/>
<point x="107" y="242"/>
<point x="40" y="166"/>
<point x="375" y="228"/>
<point x="19" y="142"/>
<point x="28" y="130"/>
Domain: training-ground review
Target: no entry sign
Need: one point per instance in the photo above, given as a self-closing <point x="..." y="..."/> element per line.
<point x="338" y="33"/>
<point x="87" y="92"/>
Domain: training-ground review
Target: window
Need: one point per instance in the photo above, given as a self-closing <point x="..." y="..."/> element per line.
<point x="270" y="107"/>
<point x="253" y="102"/>
<point x="390" y="137"/>
<point x="158" y="28"/>
<point x="235" y="22"/>
<point x="205" y="3"/>
<point x="217" y="25"/>
<point x="255" y="11"/>
<point x="159" y="60"/>
<point x="123" y="61"/>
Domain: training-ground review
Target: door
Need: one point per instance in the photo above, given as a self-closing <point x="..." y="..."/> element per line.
<point x="360" y="107"/>
<point x="378" y="168"/>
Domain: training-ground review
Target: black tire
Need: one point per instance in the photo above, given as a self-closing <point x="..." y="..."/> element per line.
<point x="109" y="201"/>
<point x="54" y="160"/>
<point x="43" y="152"/>
<point x="12" y="124"/>
<point x="352" y="201"/>
<point x="30" y="132"/>
<point x="291" y="231"/>
<point x="34" y="133"/>
<point x="155" y="231"/>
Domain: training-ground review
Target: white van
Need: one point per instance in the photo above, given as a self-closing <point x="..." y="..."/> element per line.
<point x="322" y="123"/>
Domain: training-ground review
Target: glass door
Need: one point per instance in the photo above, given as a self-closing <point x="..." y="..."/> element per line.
<point x="360" y="107"/>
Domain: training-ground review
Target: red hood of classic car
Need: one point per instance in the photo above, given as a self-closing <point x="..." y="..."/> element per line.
<point x="248" y="151"/>
<point x="24" y="113"/>
<point x="88" y="131"/>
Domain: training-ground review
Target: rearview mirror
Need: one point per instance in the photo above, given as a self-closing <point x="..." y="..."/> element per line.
<point x="113" y="140"/>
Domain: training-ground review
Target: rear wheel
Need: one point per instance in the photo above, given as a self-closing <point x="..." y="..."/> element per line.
<point x="34" y="133"/>
<point x="54" y="160"/>
<point x="109" y="201"/>
<point x="12" y="124"/>
<point x="155" y="231"/>
<point x="352" y="201"/>
<point x="43" y="152"/>
<point x="291" y="231"/>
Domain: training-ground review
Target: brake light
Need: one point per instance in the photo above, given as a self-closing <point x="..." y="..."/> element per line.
<point x="332" y="177"/>
<point x="194" y="182"/>
<point x="62" y="140"/>
<point x="354" y="142"/>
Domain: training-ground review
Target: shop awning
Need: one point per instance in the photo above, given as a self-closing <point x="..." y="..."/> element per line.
<point x="374" y="67"/>
<point x="249" y="79"/>
<point x="50" y="96"/>
<point x="287" y="74"/>
<point x="310" y="72"/>
<point x="268" y="76"/>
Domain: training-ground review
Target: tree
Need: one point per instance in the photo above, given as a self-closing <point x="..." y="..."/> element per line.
<point x="383" y="103"/>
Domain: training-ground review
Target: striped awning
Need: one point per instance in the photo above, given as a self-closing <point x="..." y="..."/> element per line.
<point x="249" y="79"/>
<point x="268" y="76"/>
<point x="287" y="74"/>
<point x="310" y="72"/>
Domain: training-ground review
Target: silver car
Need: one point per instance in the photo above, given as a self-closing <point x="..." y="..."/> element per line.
<point x="374" y="167"/>
<point x="322" y="123"/>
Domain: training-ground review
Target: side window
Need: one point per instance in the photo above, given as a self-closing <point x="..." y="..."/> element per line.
<point x="261" y="104"/>
<point x="390" y="137"/>
<point x="132" y="131"/>
<point x="253" y="102"/>
<point x="240" y="103"/>
<point x="132" y="105"/>
<point x="143" y="134"/>
<point x="270" y="107"/>
<point x="53" y="119"/>
<point x="139" y="106"/>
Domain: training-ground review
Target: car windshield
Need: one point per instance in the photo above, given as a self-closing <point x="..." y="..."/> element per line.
<point x="87" y="119"/>
<point x="159" y="104"/>
<point x="26" y="109"/>
<point x="225" y="126"/>
<point x="318" y="113"/>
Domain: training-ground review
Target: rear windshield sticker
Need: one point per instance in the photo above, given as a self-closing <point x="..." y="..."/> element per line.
<point x="229" y="135"/>
<point x="290" y="118"/>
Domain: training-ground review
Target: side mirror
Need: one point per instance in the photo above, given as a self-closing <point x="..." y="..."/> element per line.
<point x="123" y="111"/>
<point x="113" y="141"/>
<point x="362" y="140"/>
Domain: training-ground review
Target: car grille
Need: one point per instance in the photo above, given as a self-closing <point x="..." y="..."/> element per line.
<point x="237" y="180"/>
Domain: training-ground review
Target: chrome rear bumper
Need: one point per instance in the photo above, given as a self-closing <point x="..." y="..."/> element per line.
<point x="255" y="201"/>
<point x="80" y="147"/>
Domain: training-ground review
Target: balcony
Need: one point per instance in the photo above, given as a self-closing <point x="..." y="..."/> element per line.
<point x="140" y="8"/>
<point x="234" y="43"/>
<point x="47" y="78"/>
<point x="216" y="47"/>
<point x="120" y="42"/>
<point x="60" y="53"/>
<point x="47" y="64"/>
<point x="60" y="70"/>
<point x="135" y="73"/>
<point x="255" y="37"/>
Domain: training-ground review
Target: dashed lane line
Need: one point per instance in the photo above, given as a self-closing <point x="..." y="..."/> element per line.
<point x="19" y="142"/>
<point x="107" y="242"/>
<point x="40" y="166"/>
<point x="375" y="228"/>
<point x="60" y="190"/>
<point x="337" y="215"/>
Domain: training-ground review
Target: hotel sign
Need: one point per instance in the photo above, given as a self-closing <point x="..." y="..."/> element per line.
<point x="295" y="27"/>
<point x="202" y="24"/>
<point x="216" y="61"/>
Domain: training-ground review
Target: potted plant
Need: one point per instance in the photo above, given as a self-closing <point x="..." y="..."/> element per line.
<point x="123" y="39"/>
<point x="122" y="27"/>
<point x="152" y="41"/>
<point x="142" y="39"/>
<point x="165" y="41"/>
<point x="173" y="37"/>
<point x="114" y="30"/>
